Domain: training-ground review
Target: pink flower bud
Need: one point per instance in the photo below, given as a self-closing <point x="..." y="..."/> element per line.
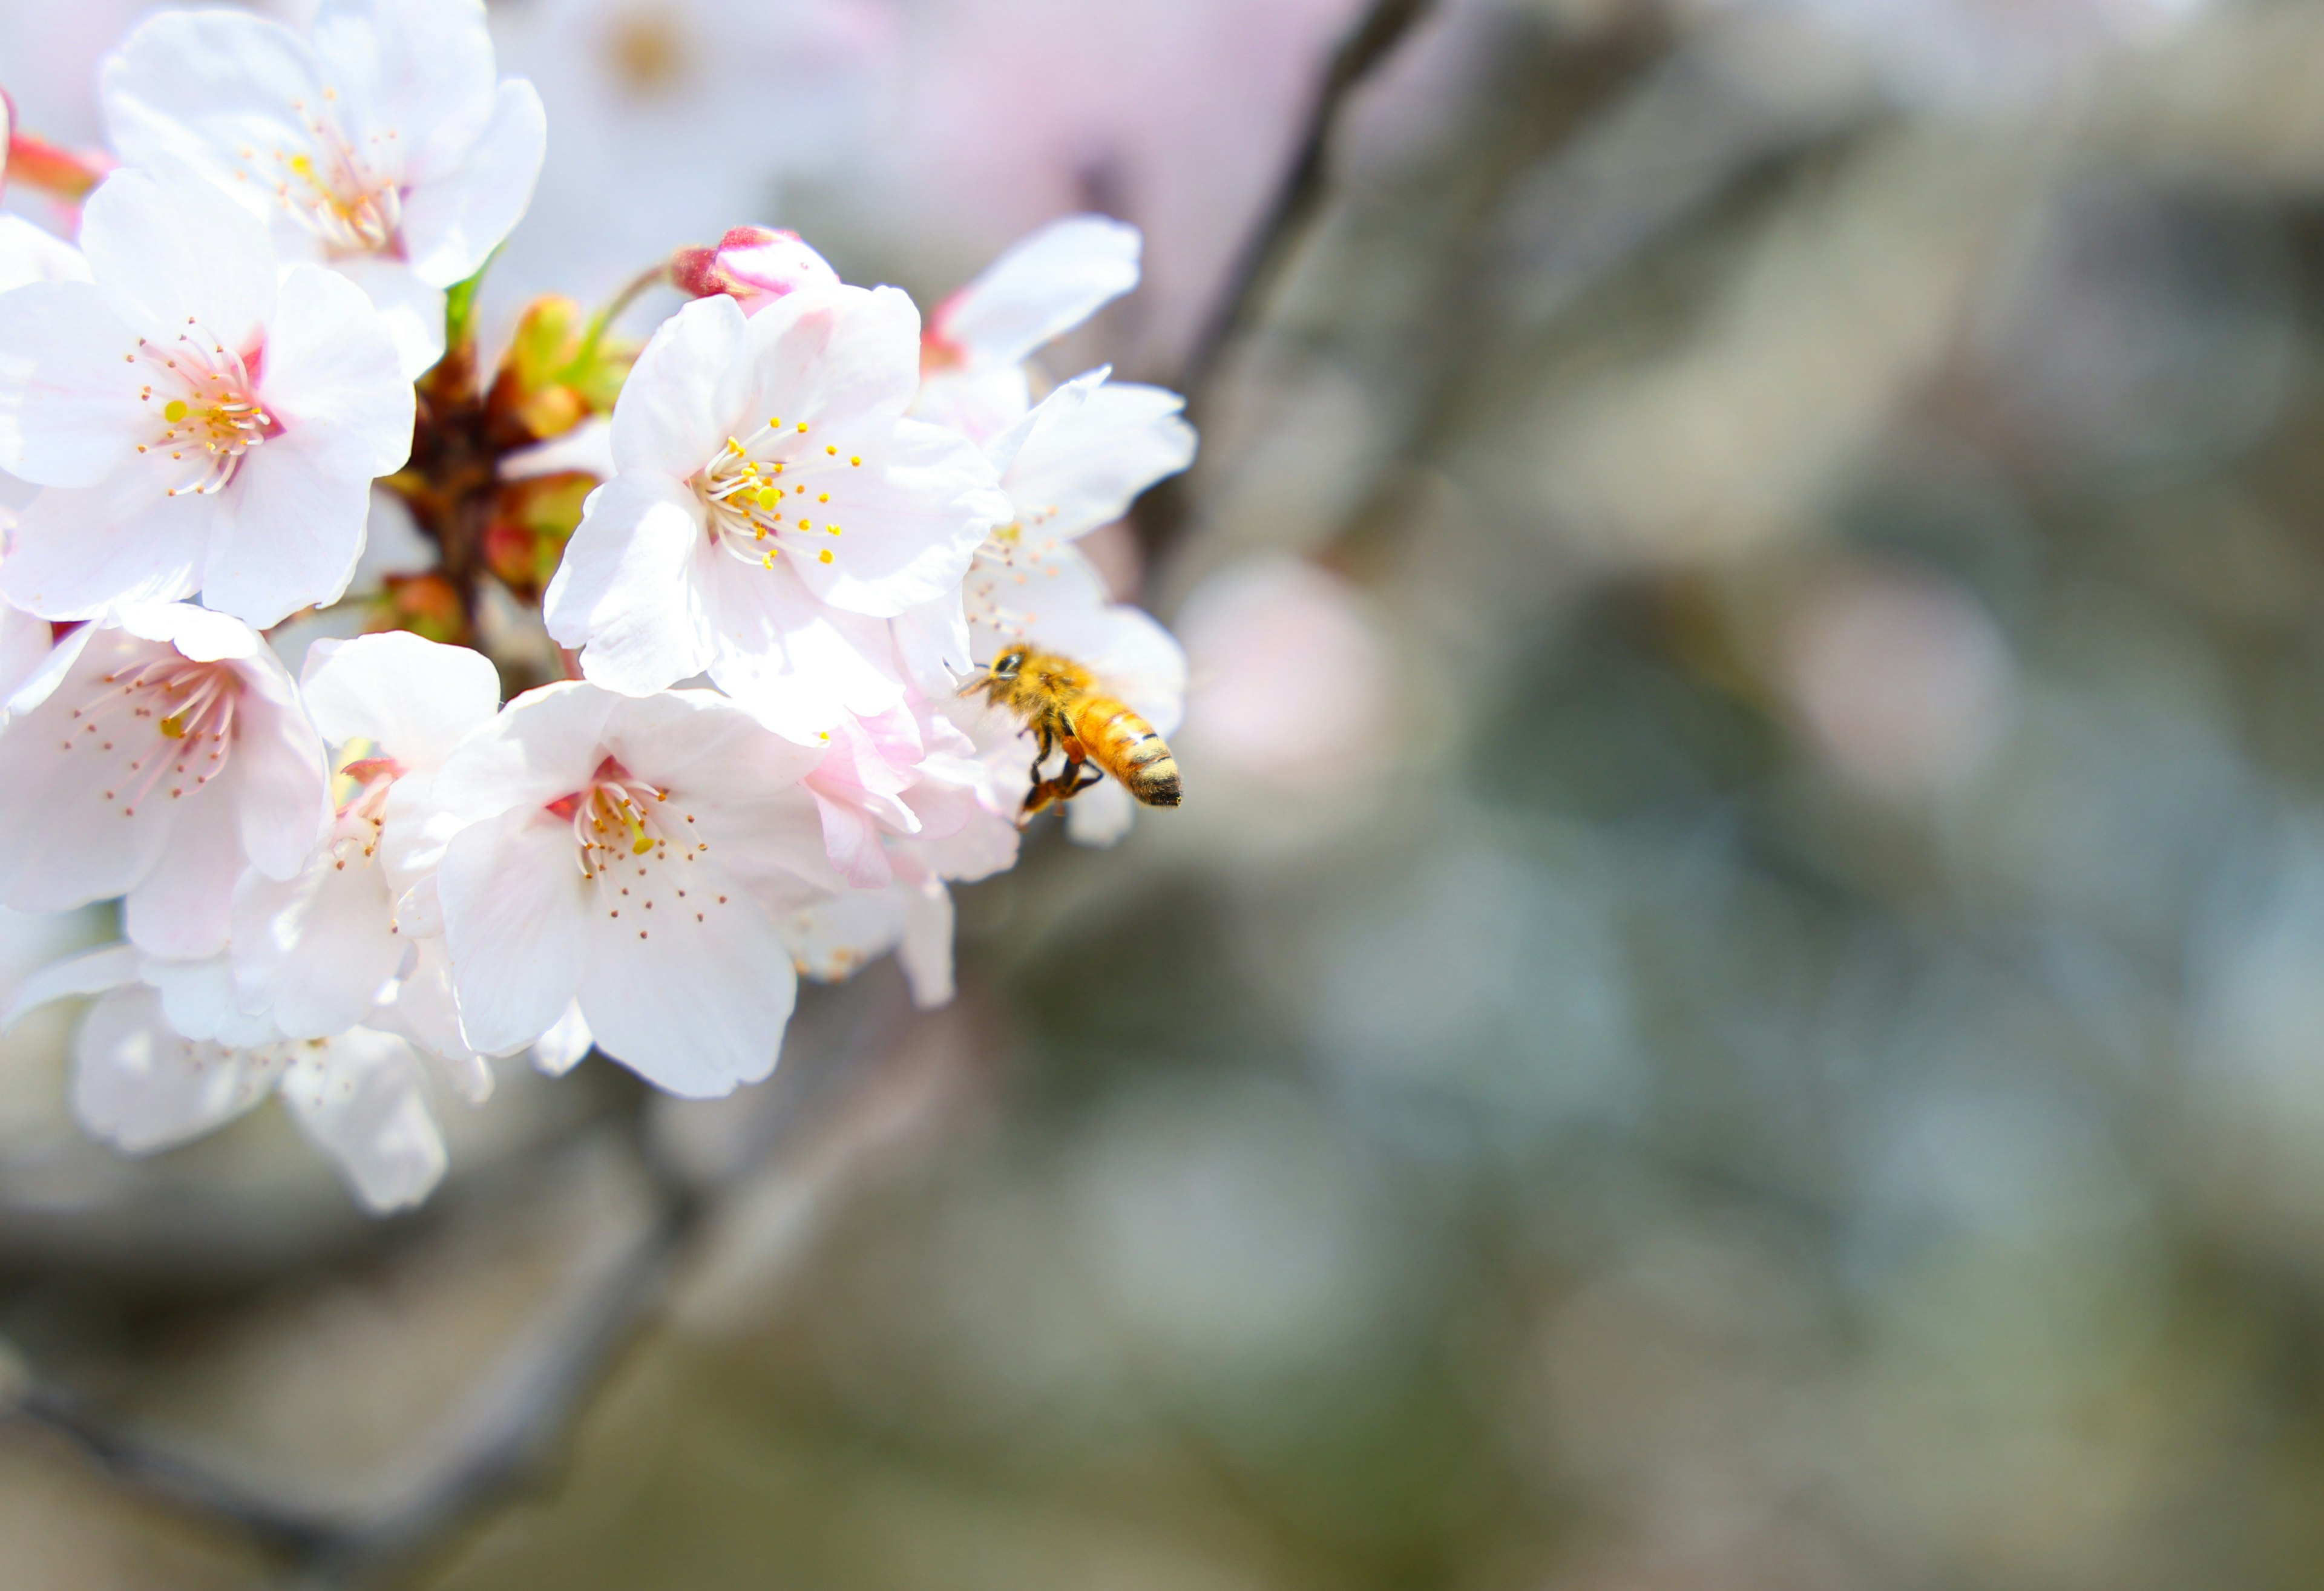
<point x="754" y="265"/>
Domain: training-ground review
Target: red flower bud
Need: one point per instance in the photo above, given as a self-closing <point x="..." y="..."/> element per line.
<point x="753" y="265"/>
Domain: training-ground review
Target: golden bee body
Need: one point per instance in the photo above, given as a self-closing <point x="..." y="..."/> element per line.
<point x="1057" y="699"/>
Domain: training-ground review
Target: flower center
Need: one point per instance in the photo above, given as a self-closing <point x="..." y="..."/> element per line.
<point x="204" y="399"/>
<point x="638" y="850"/>
<point x="168" y="719"/>
<point x="336" y="193"/>
<point x="769" y="492"/>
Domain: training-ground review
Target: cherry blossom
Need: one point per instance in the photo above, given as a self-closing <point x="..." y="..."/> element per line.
<point x="155" y="755"/>
<point x="772" y="509"/>
<point x="626" y="853"/>
<point x="317" y="950"/>
<point x="382" y="147"/>
<point x="164" y="1055"/>
<point x="198" y="426"/>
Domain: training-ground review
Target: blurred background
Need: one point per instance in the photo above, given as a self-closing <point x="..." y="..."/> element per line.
<point x="1738" y="1001"/>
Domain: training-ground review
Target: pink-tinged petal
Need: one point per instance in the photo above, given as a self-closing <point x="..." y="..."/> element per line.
<point x="627" y="590"/>
<point x="140" y="1087"/>
<point x="932" y="642"/>
<point x="693" y="1006"/>
<point x="852" y="840"/>
<point x="331" y="360"/>
<point x="516" y="915"/>
<point x="980" y="847"/>
<point x="62" y="841"/>
<point x="1083" y="466"/>
<point x="181" y="907"/>
<point x="278" y="779"/>
<point x="1041" y="288"/>
<point x="698" y="741"/>
<point x="1066" y="399"/>
<point x="200" y="633"/>
<point x="200" y="1001"/>
<point x="28" y="254"/>
<point x="835" y="939"/>
<point x="414" y="699"/>
<point x="77" y="554"/>
<point x="914" y="521"/>
<point x="426" y="1012"/>
<point x="69" y="414"/>
<point x="544" y="744"/>
<point x="108" y="967"/>
<point x="667" y="419"/>
<point x="43" y="682"/>
<point x="925" y="950"/>
<point x="416" y="74"/>
<point x="451" y="223"/>
<point x="358" y="1097"/>
<point x="412" y="309"/>
<point x="290" y="526"/>
<point x="180" y="257"/>
<point x="828" y="355"/>
<point x="320" y="949"/>
<point x="200" y="89"/>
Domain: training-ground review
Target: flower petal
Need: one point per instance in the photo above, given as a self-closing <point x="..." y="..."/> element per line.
<point x="667" y="418"/>
<point x="913" y="523"/>
<point x="331" y="358"/>
<point x="180" y="257"/>
<point x="629" y="589"/>
<point x="694" y="1008"/>
<point x="412" y="309"/>
<point x="827" y="356"/>
<point x="515" y="917"/>
<point x="416" y="74"/>
<point x="543" y="745"/>
<point x="69" y="414"/>
<point x="415" y="699"/>
<point x="358" y="1097"/>
<point x="76" y="554"/>
<point x="181" y="907"/>
<point x="1083" y="466"/>
<point x="1042" y="286"/>
<point x="450" y="224"/>
<point x="290" y="526"/>
<point x="140" y="1087"/>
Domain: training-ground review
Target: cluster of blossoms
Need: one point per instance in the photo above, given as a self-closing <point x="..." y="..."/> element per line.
<point x="770" y="547"/>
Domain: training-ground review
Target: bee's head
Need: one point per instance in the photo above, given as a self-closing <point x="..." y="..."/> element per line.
<point x="1011" y="663"/>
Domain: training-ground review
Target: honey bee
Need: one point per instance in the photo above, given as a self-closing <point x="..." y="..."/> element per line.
<point x="1058" y="700"/>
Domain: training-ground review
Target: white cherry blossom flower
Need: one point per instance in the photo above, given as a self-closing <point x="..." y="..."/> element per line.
<point x="157" y="756"/>
<point x="772" y="510"/>
<point x="384" y="147"/>
<point x="1039" y="288"/>
<point x="199" y="425"/>
<point x="164" y="1056"/>
<point x="625" y="853"/>
<point x="317" y="950"/>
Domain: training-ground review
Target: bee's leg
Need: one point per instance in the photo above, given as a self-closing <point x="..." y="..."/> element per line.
<point x="1090" y="776"/>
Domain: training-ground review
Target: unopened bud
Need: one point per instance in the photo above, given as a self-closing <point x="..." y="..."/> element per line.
<point x="753" y="265"/>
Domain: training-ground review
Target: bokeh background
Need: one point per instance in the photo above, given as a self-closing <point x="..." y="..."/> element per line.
<point x="1739" y="1000"/>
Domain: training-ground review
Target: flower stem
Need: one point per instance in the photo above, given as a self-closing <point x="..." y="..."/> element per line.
<point x="603" y="319"/>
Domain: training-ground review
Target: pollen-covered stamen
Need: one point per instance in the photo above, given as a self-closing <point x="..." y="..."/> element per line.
<point x="169" y="722"/>
<point x="205" y="402"/>
<point x="637" y="846"/>
<point x="338" y="192"/>
<point x="362" y="786"/>
<point x="772" y="492"/>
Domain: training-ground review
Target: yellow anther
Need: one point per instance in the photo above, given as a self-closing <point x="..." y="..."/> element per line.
<point x="833" y="529"/>
<point x="775" y="424"/>
<point x="174" y="410"/>
<point x="823" y="497"/>
<point x="857" y="460"/>
<point x="768" y="497"/>
<point x="825" y="556"/>
<point x="802" y="427"/>
<point x="803" y="525"/>
<point x="831" y="450"/>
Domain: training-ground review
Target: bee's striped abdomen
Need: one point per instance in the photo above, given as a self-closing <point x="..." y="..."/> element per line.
<point x="1126" y="746"/>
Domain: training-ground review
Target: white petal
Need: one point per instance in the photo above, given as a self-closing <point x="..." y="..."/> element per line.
<point x="426" y="1012"/>
<point x="199" y="998"/>
<point x="914" y="520"/>
<point x="26" y="645"/>
<point x="982" y="402"/>
<point x="926" y="949"/>
<point x="514" y="906"/>
<point x="543" y="745"/>
<point x="412" y="698"/>
<point x="359" y="1098"/>
<point x="694" y="1008"/>
<point x="415" y="73"/>
<point x="1083" y="466"/>
<point x="796" y="664"/>
<point x="69" y="414"/>
<point x="331" y="360"/>
<point x="180" y="257"/>
<point x="76" y="554"/>
<point x="201" y="87"/>
<point x="140" y="1087"/>
<point x="827" y="357"/>
<point x="320" y="950"/>
<point x="27" y="253"/>
<point x="278" y="780"/>
<point x="1042" y="286"/>
<point x="932" y="641"/>
<point x="412" y="309"/>
<point x="290" y="526"/>
<point x="108" y="967"/>
<point x="452" y="223"/>
<point x="628" y="592"/>
<point x="562" y="1047"/>
<point x="667" y="418"/>
<point x="181" y="907"/>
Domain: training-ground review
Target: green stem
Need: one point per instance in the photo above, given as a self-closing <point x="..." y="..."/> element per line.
<point x="603" y="319"/>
